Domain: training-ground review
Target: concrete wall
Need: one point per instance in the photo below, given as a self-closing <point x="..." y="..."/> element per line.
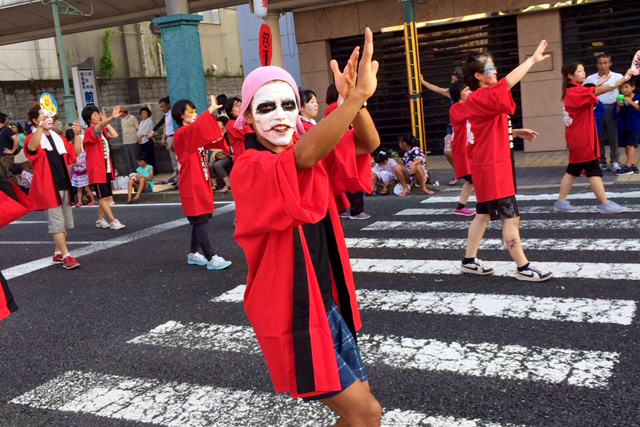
<point x="541" y="106"/>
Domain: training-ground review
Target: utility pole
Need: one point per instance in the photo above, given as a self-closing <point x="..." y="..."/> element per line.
<point x="413" y="73"/>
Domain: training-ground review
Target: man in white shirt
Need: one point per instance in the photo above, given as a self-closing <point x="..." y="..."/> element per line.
<point x="607" y="125"/>
<point x="167" y="121"/>
<point x="129" y="138"/>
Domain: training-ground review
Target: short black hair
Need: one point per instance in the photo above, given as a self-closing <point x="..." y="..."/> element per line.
<point x="15" y="169"/>
<point x="603" y="55"/>
<point x="70" y="135"/>
<point x="381" y="156"/>
<point x="141" y="156"/>
<point x="223" y="119"/>
<point x="20" y="128"/>
<point x="332" y="94"/>
<point x="456" y="89"/>
<point x="87" y="112"/>
<point x="165" y="100"/>
<point x="3" y="117"/>
<point x="305" y="96"/>
<point x="221" y="99"/>
<point x="228" y="106"/>
<point x="409" y="139"/>
<point x="145" y="109"/>
<point x="179" y="108"/>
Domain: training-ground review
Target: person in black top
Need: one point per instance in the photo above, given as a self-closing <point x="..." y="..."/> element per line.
<point x="9" y="144"/>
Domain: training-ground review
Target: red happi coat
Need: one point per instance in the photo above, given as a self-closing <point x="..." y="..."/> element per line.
<point x="12" y="209"/>
<point x="581" y="132"/>
<point x="236" y="137"/>
<point x="194" y="183"/>
<point x="458" y="118"/>
<point x="43" y="190"/>
<point x="489" y="146"/>
<point x="96" y="163"/>
<point x="279" y="211"/>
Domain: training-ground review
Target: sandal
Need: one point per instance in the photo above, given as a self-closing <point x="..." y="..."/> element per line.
<point x="428" y="192"/>
<point x="225" y="189"/>
<point x="404" y="193"/>
<point x="453" y="181"/>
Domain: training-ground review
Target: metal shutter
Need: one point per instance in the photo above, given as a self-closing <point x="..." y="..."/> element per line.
<point x="442" y="49"/>
<point x="611" y="27"/>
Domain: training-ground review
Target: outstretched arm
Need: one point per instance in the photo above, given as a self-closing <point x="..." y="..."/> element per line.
<point x="106" y="122"/>
<point x="603" y="88"/>
<point x="520" y="71"/>
<point x="77" y="139"/>
<point x="367" y="137"/>
<point x="356" y="83"/>
<point x="434" y="88"/>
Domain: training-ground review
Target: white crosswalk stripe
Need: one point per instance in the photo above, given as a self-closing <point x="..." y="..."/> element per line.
<point x="174" y="404"/>
<point x="510" y="362"/>
<point x="525" y="210"/>
<point x="543" y="197"/>
<point x="594" y="224"/>
<point x="492" y="305"/>
<point x="605" y="245"/>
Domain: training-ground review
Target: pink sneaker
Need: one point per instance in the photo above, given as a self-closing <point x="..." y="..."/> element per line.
<point x="92" y="203"/>
<point x="464" y="212"/>
<point x="79" y="204"/>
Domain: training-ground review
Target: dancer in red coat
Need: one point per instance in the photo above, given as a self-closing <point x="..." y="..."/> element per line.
<point x="300" y="295"/>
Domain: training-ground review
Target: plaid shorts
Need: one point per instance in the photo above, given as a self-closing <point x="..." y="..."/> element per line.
<point x="350" y="366"/>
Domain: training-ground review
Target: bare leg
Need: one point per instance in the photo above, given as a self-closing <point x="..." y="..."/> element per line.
<point x="421" y="179"/>
<point x="631" y="155"/>
<point x="130" y="189"/>
<point x="476" y="231"/>
<point x="403" y="177"/>
<point x="80" y="194"/>
<point x="105" y="210"/>
<point x="60" y="239"/>
<point x="511" y="236"/>
<point x="374" y="181"/>
<point x="565" y="186"/>
<point x="449" y="157"/>
<point x="142" y="185"/>
<point x="88" y="190"/>
<point x="467" y="188"/>
<point x="595" y="182"/>
<point x="356" y="406"/>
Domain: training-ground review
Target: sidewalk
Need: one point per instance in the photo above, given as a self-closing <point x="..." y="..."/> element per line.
<point x="533" y="170"/>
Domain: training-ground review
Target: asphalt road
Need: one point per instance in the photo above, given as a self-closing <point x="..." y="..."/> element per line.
<point x="138" y="337"/>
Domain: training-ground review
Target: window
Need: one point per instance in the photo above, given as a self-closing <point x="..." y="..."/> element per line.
<point x="210" y="16"/>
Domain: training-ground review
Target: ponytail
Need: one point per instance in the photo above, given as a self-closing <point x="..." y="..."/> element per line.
<point x="567" y="68"/>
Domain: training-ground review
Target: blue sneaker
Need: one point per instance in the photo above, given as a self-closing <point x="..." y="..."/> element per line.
<point x="218" y="263"/>
<point x="624" y="170"/>
<point x="564" y="206"/>
<point x="611" y="208"/>
<point x="634" y="168"/>
<point x="196" y="259"/>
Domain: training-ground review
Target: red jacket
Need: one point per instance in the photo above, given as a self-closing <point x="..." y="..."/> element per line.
<point x="236" y="137"/>
<point x="489" y="139"/>
<point x="194" y="183"/>
<point x="581" y="132"/>
<point x="458" y="117"/>
<point x="43" y="191"/>
<point x="96" y="164"/>
<point x="274" y="204"/>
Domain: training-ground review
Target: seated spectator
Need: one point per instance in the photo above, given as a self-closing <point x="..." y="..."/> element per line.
<point x="415" y="170"/>
<point x="22" y="177"/>
<point x="384" y="172"/>
<point x="141" y="180"/>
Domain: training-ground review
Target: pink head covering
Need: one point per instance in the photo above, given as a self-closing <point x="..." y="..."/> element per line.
<point x="258" y="78"/>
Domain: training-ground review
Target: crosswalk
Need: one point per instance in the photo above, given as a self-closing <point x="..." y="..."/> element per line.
<point x="405" y="282"/>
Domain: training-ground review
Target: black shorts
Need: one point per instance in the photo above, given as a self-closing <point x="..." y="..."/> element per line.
<point x="592" y="168"/>
<point x="103" y="190"/>
<point x="629" y="139"/>
<point x="499" y="209"/>
<point x="199" y="219"/>
<point x="466" y="178"/>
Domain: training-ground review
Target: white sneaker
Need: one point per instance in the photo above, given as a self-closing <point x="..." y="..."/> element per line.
<point x="102" y="223"/>
<point x="196" y="259"/>
<point x="615" y="166"/>
<point x="218" y="263"/>
<point x="117" y="225"/>
<point x="533" y="274"/>
<point x="476" y="267"/>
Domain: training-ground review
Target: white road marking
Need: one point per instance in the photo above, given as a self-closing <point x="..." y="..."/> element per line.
<point x="570" y="270"/>
<point x="526" y="210"/>
<point x="587" y="310"/>
<point x="27" y="222"/>
<point x="509" y="362"/>
<point x="553" y="197"/>
<point x="30" y="267"/>
<point x="568" y="224"/>
<point x="175" y="404"/>
<point x="47" y="242"/>
<point x="606" y="245"/>
<point x="146" y="205"/>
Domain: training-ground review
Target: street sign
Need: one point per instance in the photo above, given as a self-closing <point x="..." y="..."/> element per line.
<point x="84" y="85"/>
<point x="265" y="43"/>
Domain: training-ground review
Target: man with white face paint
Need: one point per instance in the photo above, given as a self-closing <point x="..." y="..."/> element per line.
<point x="288" y="225"/>
<point x="194" y="136"/>
<point x="51" y="155"/>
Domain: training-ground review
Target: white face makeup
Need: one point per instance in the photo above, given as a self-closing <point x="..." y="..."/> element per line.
<point x="275" y="112"/>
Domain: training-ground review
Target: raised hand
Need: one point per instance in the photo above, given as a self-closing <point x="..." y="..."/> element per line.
<point x="103" y="115"/>
<point x="214" y="104"/>
<point x="41" y="120"/>
<point x="528" y="134"/>
<point x="345" y="80"/>
<point x="76" y="127"/>
<point x="538" y="55"/>
<point x="367" y="69"/>
<point x="603" y="80"/>
<point x="625" y="78"/>
<point x="116" y="112"/>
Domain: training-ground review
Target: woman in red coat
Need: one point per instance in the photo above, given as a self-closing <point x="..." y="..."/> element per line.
<point x="194" y="136"/>
<point x="487" y="111"/>
<point x="300" y="295"/>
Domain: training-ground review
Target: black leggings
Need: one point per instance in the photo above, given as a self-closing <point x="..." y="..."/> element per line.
<point x="200" y="236"/>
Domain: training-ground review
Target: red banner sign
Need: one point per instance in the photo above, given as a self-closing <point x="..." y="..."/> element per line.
<point x="265" y="43"/>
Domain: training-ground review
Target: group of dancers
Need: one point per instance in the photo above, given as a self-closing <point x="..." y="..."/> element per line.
<point x="300" y="296"/>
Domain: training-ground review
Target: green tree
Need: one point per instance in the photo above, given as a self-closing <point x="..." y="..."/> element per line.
<point x="107" y="66"/>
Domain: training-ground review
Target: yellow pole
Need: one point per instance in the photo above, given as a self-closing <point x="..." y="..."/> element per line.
<point x="415" y="90"/>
